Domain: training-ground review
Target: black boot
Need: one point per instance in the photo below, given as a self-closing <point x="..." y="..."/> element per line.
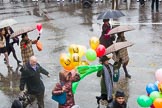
<point x="126" y="72"/>
<point x="98" y="99"/>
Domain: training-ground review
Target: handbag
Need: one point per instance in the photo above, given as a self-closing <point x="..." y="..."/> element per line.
<point x="61" y="98"/>
<point x="116" y="75"/>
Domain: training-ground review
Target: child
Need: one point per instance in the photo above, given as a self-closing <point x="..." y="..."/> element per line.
<point x="65" y="85"/>
<point x="119" y="101"/>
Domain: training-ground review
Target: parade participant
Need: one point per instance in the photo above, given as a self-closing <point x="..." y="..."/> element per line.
<point x="119" y="101"/>
<point x="106" y="39"/>
<point x="31" y="77"/>
<point x="3" y="48"/>
<point x="121" y="56"/>
<point x="26" y="47"/>
<point x="65" y="85"/>
<point x="106" y="80"/>
<point x="10" y="45"/>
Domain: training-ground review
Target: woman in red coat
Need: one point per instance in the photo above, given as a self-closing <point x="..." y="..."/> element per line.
<point x="65" y="85"/>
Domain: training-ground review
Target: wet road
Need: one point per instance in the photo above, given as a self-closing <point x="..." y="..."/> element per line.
<point x="68" y="23"/>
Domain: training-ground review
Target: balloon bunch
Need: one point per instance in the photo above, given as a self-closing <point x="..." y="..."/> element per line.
<point x="39" y="44"/>
<point x="74" y="58"/>
<point x="154" y="91"/>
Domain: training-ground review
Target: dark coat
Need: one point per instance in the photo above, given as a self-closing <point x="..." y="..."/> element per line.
<point x="32" y="79"/>
<point x="104" y="39"/>
<point x="115" y="104"/>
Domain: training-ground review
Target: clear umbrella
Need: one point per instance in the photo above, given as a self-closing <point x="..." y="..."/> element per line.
<point x="7" y="22"/>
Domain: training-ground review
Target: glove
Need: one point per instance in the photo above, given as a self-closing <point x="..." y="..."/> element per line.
<point x="38" y="37"/>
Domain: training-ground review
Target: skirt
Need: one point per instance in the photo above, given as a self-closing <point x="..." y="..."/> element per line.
<point x="3" y="50"/>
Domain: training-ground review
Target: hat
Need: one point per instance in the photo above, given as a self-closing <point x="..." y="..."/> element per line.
<point x="23" y="35"/>
<point x="119" y="94"/>
<point x="104" y="58"/>
<point x="105" y="20"/>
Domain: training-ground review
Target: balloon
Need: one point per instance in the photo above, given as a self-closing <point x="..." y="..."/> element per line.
<point x="91" y="55"/>
<point x="144" y="101"/>
<point x="66" y="62"/>
<point x="100" y="50"/>
<point x="158" y="75"/>
<point x="84" y="71"/>
<point x="39" y="27"/>
<point x="62" y="56"/>
<point x="94" y="42"/>
<point x="73" y="49"/>
<point x="83" y="62"/>
<point x="155" y="94"/>
<point x="158" y="103"/>
<point x="156" y="83"/>
<point x="160" y="87"/>
<point x="75" y="59"/>
<point x="151" y="87"/>
<point x="82" y="50"/>
<point x="39" y="45"/>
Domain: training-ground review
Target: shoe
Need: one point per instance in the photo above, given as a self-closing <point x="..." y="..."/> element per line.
<point x="98" y="99"/>
<point x="18" y="61"/>
<point x="157" y="10"/>
<point x="128" y="76"/>
<point x="152" y="10"/>
<point x="9" y="66"/>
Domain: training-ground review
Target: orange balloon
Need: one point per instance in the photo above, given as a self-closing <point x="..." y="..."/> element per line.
<point x="160" y="87"/>
<point x="158" y="103"/>
<point x="39" y="45"/>
<point x="66" y="62"/>
<point x="94" y="42"/>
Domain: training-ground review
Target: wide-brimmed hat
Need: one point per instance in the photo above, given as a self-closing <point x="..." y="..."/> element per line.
<point x="104" y="58"/>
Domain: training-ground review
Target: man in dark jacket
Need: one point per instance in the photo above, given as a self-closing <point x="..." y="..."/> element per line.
<point x="31" y="77"/>
<point x="119" y="101"/>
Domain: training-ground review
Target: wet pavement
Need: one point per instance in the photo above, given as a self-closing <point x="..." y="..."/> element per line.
<point x="68" y="23"/>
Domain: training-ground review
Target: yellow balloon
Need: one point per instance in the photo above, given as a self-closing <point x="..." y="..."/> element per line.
<point x="94" y="42"/>
<point x="75" y="59"/>
<point x="62" y="56"/>
<point x="82" y="50"/>
<point x="83" y="62"/>
<point x="73" y="49"/>
<point x="66" y="62"/>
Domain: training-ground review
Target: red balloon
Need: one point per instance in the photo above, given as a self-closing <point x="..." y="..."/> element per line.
<point x="100" y="50"/>
<point x="39" y="27"/>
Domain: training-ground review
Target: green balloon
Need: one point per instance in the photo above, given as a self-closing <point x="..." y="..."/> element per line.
<point x="84" y="71"/>
<point x="155" y="94"/>
<point x="91" y="55"/>
<point x="144" y="101"/>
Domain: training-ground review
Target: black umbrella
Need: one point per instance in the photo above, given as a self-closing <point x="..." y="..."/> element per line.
<point x="110" y="14"/>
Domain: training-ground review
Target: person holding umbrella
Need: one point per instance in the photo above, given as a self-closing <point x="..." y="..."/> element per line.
<point x="26" y="47"/>
<point x="3" y="48"/>
<point x="106" y="39"/>
<point x="121" y="56"/>
<point x="10" y="46"/>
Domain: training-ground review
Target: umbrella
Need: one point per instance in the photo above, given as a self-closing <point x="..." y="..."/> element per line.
<point x="7" y="22"/>
<point x="121" y="28"/>
<point x="22" y="30"/>
<point x="110" y="14"/>
<point x="117" y="46"/>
